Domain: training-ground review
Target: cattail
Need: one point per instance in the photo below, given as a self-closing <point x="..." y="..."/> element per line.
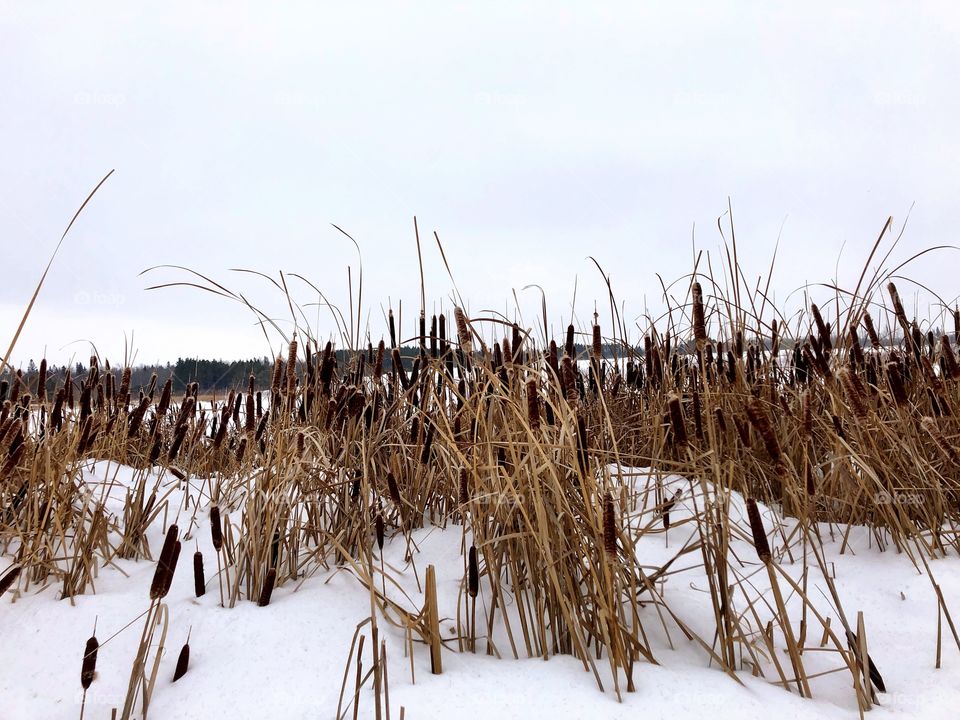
<point x="582" y="456"/>
<point x="569" y="348"/>
<point x="949" y="359"/>
<point x="898" y="311"/>
<point x="956" y="325"/>
<point x="216" y="532"/>
<point x="533" y="404"/>
<point x="930" y="426"/>
<point x="568" y="380"/>
<point x="699" y="318"/>
<point x="42" y="382"/>
<point x="464" y="494"/>
<point x="9" y="577"/>
<point x="855" y="392"/>
<point x="759" y="535"/>
<point x="267" y="590"/>
<point x="895" y="381"/>
<point x="473" y="573"/>
<point x="871" y="331"/>
<point x="166" y="565"/>
<point x="677" y="423"/>
<point x="89" y="667"/>
<point x="183" y="662"/>
<point x="758" y="418"/>
<point x="823" y="331"/>
<point x="597" y="342"/>
<point x="394" y="489"/>
<point x="609" y="526"/>
<point x="721" y="420"/>
<point x="379" y="528"/>
<point x="199" y="586"/>
<point x="463" y="330"/>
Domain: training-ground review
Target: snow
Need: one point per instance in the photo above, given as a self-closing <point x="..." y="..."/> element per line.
<point x="287" y="660"/>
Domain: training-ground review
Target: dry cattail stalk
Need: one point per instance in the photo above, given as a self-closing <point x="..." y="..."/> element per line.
<point x="199" y="585"/>
<point x="183" y="662"/>
<point x="677" y="424"/>
<point x="216" y="531"/>
<point x="266" y="592"/>
<point x="759" y="535"/>
<point x="533" y="404"/>
<point x="473" y="573"/>
<point x="758" y="418"/>
<point x="568" y="380"/>
<point x="806" y="413"/>
<point x="88" y="668"/>
<point x="582" y="456"/>
<point x="609" y="526"/>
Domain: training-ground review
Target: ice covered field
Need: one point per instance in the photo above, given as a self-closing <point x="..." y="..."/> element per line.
<point x="287" y="660"/>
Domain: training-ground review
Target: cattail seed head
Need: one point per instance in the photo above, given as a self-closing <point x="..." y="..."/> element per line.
<point x="394" y="489"/>
<point x="761" y="422"/>
<point x="473" y="572"/>
<point x="609" y="526"/>
<point x="463" y="330"/>
<point x="533" y="404"/>
<point x="677" y="423"/>
<point x="855" y="392"/>
<point x="895" y="381"/>
<point x="166" y="565"/>
<point x="199" y="585"/>
<point x="266" y="592"/>
<point x="183" y="662"/>
<point x="216" y="531"/>
<point x="699" y="318"/>
<point x="930" y="426"/>
<point x="89" y="667"/>
<point x="759" y="535"/>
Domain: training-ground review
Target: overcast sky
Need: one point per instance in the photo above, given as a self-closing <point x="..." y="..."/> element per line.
<point x="528" y="135"/>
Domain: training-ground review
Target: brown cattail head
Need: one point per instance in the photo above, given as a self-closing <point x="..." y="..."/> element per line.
<point x="609" y="526"/>
<point x="699" y="318"/>
<point x="183" y="662"/>
<point x="761" y="422"/>
<point x="266" y="592"/>
<point x="895" y="381"/>
<point x="464" y="489"/>
<point x="949" y="358"/>
<point x="871" y="331"/>
<point x="473" y="573"/>
<point x="759" y="535"/>
<point x="394" y="489"/>
<point x="166" y="565"/>
<point x="89" y="667"/>
<point x="379" y="527"/>
<point x="597" y="342"/>
<point x="463" y="330"/>
<point x="677" y="423"/>
<point x="855" y="392"/>
<point x="216" y="530"/>
<point x="533" y="404"/>
<point x="823" y="331"/>
<point x="199" y="585"/>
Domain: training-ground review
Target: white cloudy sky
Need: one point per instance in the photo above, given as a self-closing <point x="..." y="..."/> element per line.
<point x="529" y="135"/>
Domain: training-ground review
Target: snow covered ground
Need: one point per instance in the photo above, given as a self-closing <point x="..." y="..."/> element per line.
<point x="287" y="660"/>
